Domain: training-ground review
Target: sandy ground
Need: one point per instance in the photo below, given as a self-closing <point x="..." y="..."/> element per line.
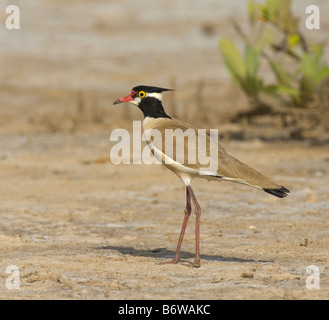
<point x="79" y="227"/>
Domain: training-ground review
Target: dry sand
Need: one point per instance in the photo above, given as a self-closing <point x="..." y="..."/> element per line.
<point x="79" y="227"/>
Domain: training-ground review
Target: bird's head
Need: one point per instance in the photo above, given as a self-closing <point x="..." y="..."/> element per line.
<point x="143" y="93"/>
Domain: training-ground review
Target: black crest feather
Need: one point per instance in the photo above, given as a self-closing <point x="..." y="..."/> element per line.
<point x="150" y="89"/>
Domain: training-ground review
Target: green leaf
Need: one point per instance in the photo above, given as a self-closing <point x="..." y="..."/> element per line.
<point x="307" y="86"/>
<point x="251" y="60"/>
<point x="322" y="74"/>
<point x="265" y="39"/>
<point x="318" y="49"/>
<point x="287" y="91"/>
<point x="243" y="69"/>
<point x="281" y="75"/>
<point x="272" y="9"/>
<point x="285" y="17"/>
<point x="293" y="41"/>
<point x="252" y="12"/>
<point x="232" y="58"/>
<point x="309" y="65"/>
<point x="285" y="95"/>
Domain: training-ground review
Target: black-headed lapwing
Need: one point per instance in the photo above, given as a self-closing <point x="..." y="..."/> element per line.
<point x="227" y="168"/>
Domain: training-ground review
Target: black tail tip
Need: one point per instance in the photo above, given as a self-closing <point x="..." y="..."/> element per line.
<point x="280" y="192"/>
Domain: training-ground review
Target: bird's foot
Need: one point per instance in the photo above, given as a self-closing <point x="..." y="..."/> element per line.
<point x="196" y="263"/>
<point x="172" y="261"/>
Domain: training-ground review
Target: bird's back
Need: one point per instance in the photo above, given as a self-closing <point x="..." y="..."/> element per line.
<point x="212" y="163"/>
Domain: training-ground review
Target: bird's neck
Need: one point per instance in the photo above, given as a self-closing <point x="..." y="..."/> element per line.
<point x="152" y="107"/>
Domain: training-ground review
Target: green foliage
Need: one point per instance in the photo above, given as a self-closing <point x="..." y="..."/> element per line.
<point x="298" y="81"/>
<point x="243" y="69"/>
<point x="279" y="13"/>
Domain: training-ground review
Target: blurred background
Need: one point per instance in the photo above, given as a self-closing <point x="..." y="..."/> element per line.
<point x="71" y="59"/>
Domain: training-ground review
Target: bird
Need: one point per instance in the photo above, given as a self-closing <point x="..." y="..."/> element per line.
<point x="149" y="100"/>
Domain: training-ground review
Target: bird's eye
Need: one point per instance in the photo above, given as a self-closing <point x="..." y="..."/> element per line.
<point x="141" y="94"/>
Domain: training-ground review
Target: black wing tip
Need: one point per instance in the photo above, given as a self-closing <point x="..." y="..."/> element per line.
<point x="280" y="192"/>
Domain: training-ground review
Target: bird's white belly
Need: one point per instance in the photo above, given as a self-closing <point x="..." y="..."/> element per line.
<point x="186" y="174"/>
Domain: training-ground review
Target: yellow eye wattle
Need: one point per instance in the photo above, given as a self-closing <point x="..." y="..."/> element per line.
<point x="141" y="94"/>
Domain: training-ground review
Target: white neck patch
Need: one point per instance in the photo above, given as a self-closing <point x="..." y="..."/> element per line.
<point x="136" y="101"/>
<point x="155" y="95"/>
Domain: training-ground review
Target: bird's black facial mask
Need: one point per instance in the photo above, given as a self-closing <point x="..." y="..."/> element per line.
<point x="140" y="91"/>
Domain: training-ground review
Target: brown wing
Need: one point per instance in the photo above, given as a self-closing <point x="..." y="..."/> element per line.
<point x="220" y="163"/>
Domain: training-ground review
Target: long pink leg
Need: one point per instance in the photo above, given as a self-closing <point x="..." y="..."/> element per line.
<point x="187" y="212"/>
<point x="197" y="261"/>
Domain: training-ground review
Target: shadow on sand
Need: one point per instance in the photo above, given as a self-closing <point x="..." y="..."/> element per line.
<point x="168" y="254"/>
